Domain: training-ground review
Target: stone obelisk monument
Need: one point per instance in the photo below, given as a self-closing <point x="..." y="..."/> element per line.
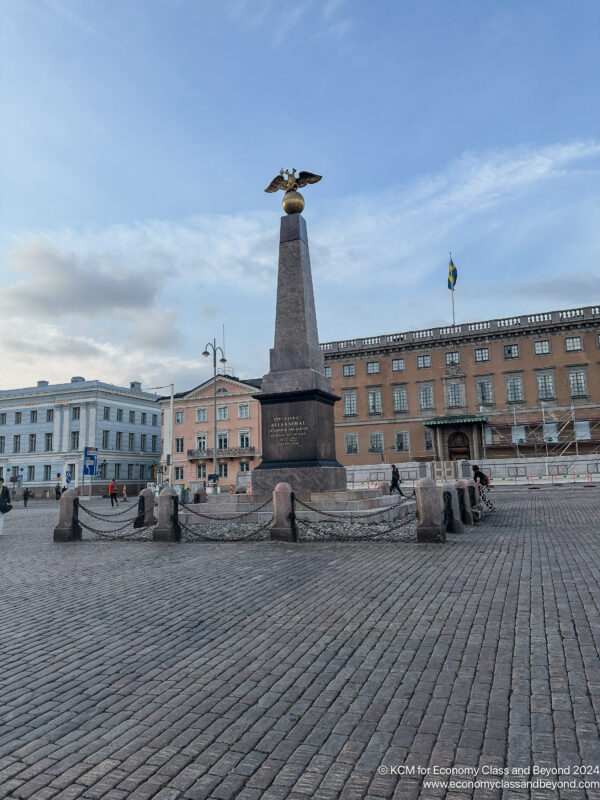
<point x="298" y="443"/>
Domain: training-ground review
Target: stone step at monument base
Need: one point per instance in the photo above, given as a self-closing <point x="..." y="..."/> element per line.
<point x="347" y="494"/>
<point x="395" y="511"/>
<point x="229" y="499"/>
<point x="363" y="504"/>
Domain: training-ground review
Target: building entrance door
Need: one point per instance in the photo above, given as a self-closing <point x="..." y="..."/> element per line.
<point x="458" y="446"/>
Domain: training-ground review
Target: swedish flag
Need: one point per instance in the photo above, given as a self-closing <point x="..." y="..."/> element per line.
<point x="452" y="275"/>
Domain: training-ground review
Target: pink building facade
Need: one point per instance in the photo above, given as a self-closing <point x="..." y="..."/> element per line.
<point x="238" y="432"/>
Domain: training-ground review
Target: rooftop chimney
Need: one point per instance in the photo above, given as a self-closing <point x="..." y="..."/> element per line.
<point x="77" y="379"/>
<point x="135" y="386"/>
<point x="43" y="383"/>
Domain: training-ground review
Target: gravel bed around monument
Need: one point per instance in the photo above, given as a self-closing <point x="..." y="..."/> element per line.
<point x="379" y="532"/>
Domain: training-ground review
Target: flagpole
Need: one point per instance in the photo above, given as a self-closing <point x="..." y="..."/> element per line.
<point x="453" y="318"/>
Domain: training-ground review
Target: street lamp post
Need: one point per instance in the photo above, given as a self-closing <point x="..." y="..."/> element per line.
<point x="215" y="349"/>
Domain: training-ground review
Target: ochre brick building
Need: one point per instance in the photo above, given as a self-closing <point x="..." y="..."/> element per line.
<point x="526" y="385"/>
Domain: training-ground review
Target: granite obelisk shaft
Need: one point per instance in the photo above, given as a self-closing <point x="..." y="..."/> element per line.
<point x="298" y="441"/>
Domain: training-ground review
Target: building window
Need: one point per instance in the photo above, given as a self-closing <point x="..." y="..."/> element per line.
<point x="200" y="415"/>
<point x="154" y="443"/>
<point x="400" y="398"/>
<point x="119" y="415"/>
<point x="402" y="442"/>
<point x="485" y="395"/>
<point x="179" y="444"/>
<point x="428" y="439"/>
<point x="244" y="438"/>
<point x="2" y="444"/>
<point x="573" y="343"/>
<point x="142" y="472"/>
<point x="47" y="472"/>
<point x="452" y="358"/>
<point x="518" y="433"/>
<point x="118" y="440"/>
<point x="454" y="395"/>
<point x="514" y="390"/>
<point x="154" y="420"/>
<point x="351" y="440"/>
<point x="178" y="473"/>
<point x="201" y="471"/>
<point x="33" y="416"/>
<point x="511" y="350"/>
<point x="582" y="430"/>
<point x="243" y="411"/>
<point x="374" y="399"/>
<point x="32" y="439"/>
<point x="244" y="466"/>
<point x="3" y="419"/>
<point x="143" y="438"/>
<point x="348" y="370"/>
<point x="425" y="397"/>
<point x="372" y="367"/>
<point x="222" y="412"/>
<point x="398" y="365"/>
<point x="545" y="384"/>
<point x="129" y="472"/>
<point x="131" y="439"/>
<point x="550" y="431"/>
<point x="106" y="414"/>
<point x="423" y="361"/>
<point x="132" y="417"/>
<point x="102" y="470"/>
<point x="31" y="472"/>
<point x="376" y="442"/>
<point x="48" y="444"/>
<point x="74" y="440"/>
<point x="50" y="415"/>
<point x="541" y="348"/>
<point x="222" y="470"/>
<point x="18" y="417"/>
<point x="201" y="442"/>
<point x="482" y="354"/>
<point x="143" y="418"/>
<point x="328" y="372"/>
<point x="349" y="404"/>
<point x="178" y="417"/>
<point x="222" y="441"/>
<point x="16" y="444"/>
<point x="76" y="412"/>
<point x="105" y="435"/>
<point x="117" y="470"/>
<point x="577" y="384"/>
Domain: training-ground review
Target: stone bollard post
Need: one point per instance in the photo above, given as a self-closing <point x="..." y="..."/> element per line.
<point x="283" y="528"/>
<point x="456" y="524"/>
<point x="68" y="528"/>
<point x="429" y="512"/>
<point x="167" y="528"/>
<point x="145" y="515"/>
<point x="465" y="503"/>
<point x="475" y="500"/>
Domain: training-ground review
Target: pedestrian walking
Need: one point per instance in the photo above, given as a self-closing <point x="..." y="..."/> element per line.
<point x="5" y="504"/>
<point x="395" y="484"/>
<point x="26" y="496"/>
<point x="57" y="491"/>
<point x="112" y="493"/>
<point x="481" y="479"/>
<point x="124" y="493"/>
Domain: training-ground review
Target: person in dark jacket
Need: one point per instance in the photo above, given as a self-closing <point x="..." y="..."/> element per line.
<point x="5" y="505"/>
<point x="395" y="484"/>
<point x="481" y="479"/>
<point x="26" y="496"/>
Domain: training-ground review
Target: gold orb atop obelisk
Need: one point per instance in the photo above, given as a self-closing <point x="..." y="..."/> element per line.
<point x="293" y="202"/>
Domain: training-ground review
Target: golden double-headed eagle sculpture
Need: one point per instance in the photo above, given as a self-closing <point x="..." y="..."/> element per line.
<point x="293" y="202"/>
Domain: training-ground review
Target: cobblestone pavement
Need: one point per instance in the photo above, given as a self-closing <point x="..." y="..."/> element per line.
<point x="280" y="671"/>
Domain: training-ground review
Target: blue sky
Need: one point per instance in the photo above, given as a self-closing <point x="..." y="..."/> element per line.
<point x="137" y="138"/>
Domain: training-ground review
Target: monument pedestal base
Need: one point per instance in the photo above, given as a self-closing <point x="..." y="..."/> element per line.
<point x="303" y="479"/>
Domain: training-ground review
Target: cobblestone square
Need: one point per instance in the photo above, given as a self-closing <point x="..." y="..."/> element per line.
<point x="279" y="671"/>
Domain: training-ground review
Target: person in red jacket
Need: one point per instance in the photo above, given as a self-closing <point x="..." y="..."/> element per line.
<point x="112" y="493"/>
